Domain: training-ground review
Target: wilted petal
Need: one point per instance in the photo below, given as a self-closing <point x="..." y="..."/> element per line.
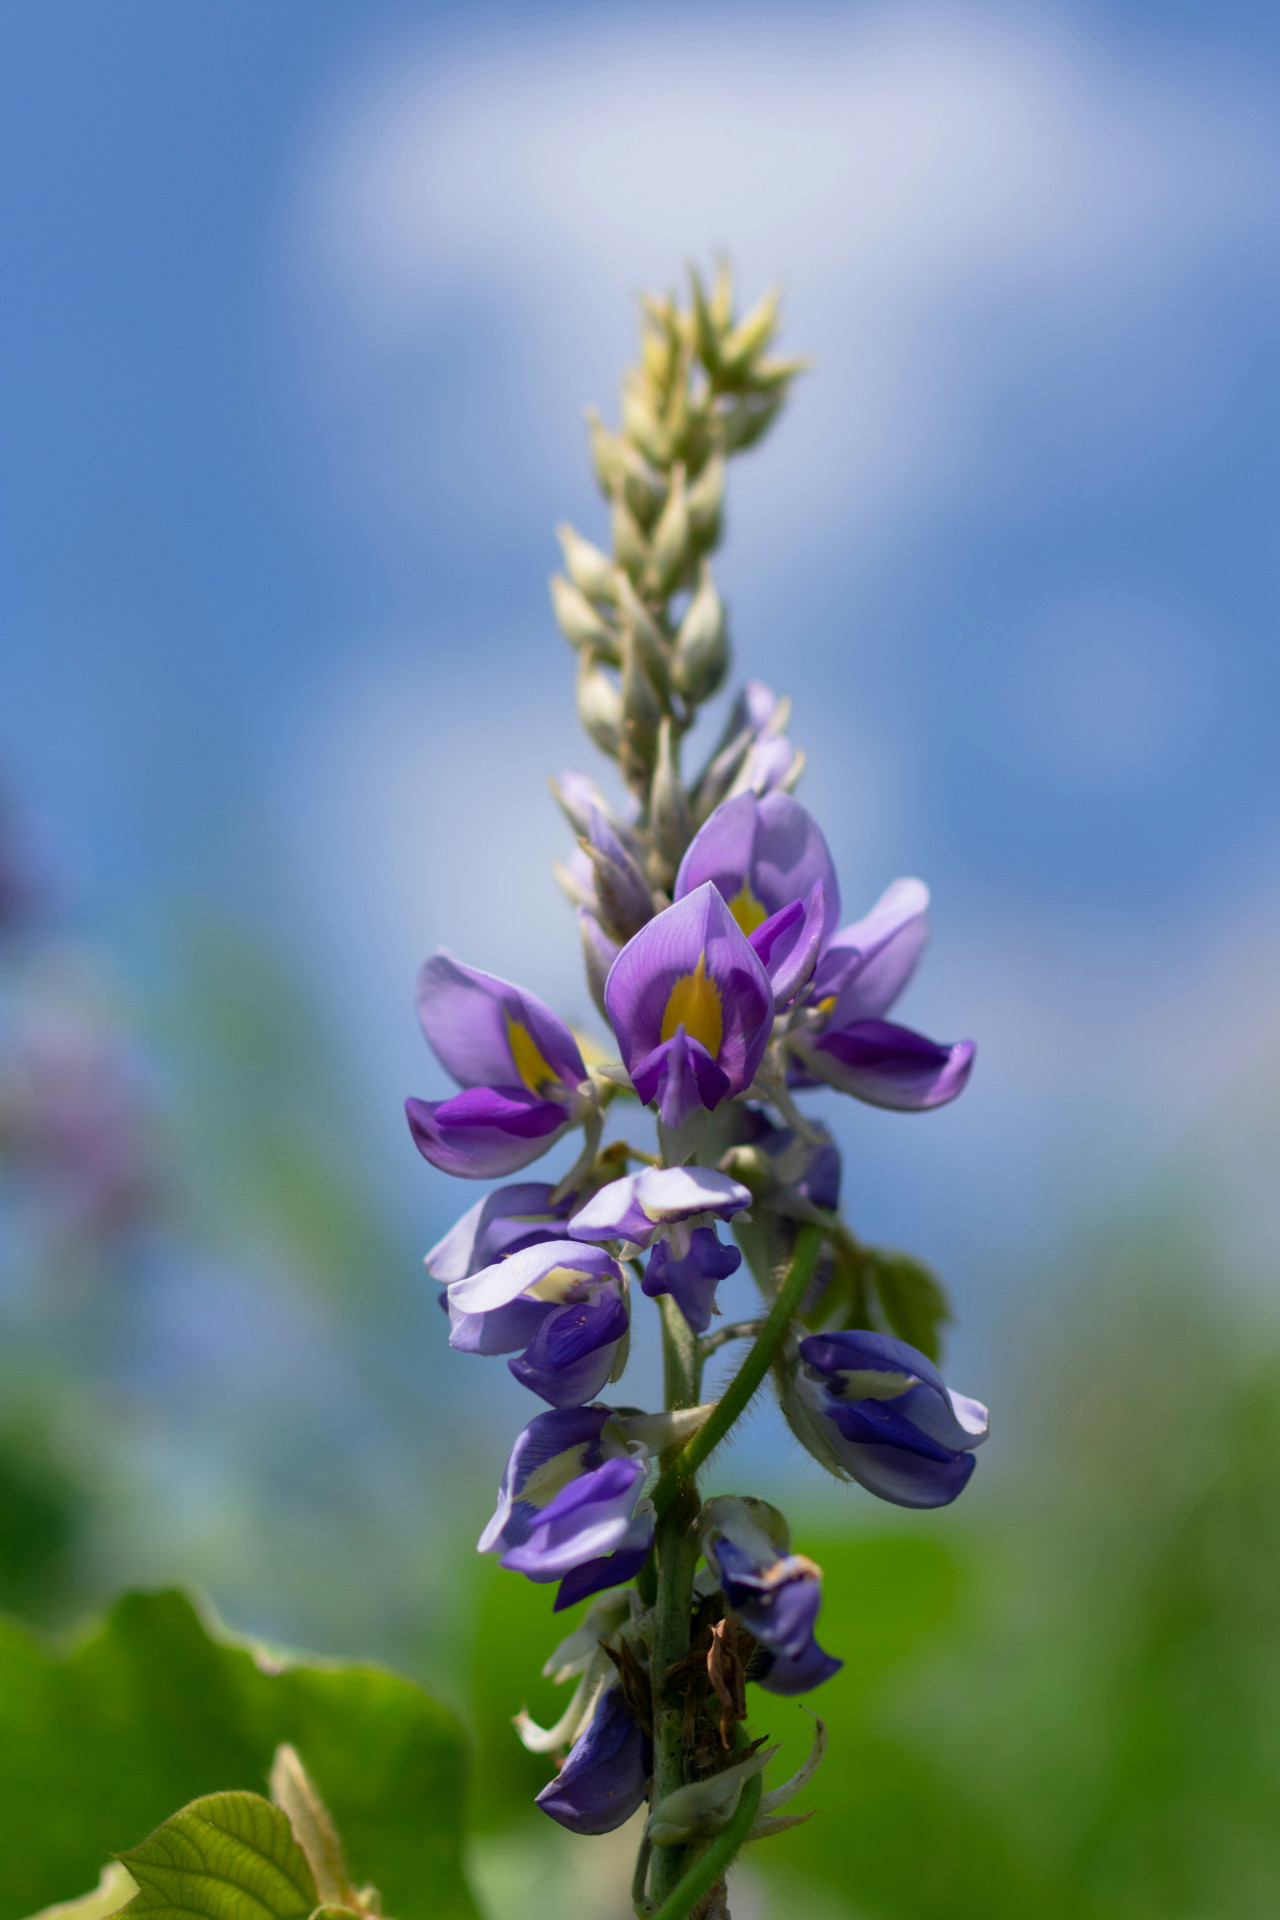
<point x="488" y="1033"/>
<point x="603" y="1781"/>
<point x="485" y="1132"/>
<point x="890" y="1066"/>
<point x="867" y="965"/>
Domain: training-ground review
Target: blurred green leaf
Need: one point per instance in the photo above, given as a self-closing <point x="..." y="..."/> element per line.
<point x="227" y="1856"/>
<point x="153" y="1709"/>
<point x="913" y="1302"/>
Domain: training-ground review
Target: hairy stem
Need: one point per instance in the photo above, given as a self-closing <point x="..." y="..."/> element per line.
<point x="676" y="1546"/>
<point x="680" y="1471"/>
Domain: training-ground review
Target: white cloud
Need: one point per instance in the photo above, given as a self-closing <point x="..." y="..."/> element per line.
<point x="933" y="185"/>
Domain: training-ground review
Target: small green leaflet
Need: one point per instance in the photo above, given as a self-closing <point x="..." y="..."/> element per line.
<point x="226" y="1856"/>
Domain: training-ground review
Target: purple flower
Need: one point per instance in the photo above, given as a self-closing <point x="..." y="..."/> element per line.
<point x="841" y="1036"/>
<point x="753" y="754"/>
<point x="561" y="1301"/>
<point x="672" y="1210"/>
<point x="775" y="1593"/>
<point x="606" y="1775"/>
<point x="643" y="1206"/>
<point x="569" y="1506"/>
<point x="503" y="1222"/>
<point x="769" y="861"/>
<point x="691" y="1006"/>
<point x="877" y="1411"/>
<point x="523" y="1079"/>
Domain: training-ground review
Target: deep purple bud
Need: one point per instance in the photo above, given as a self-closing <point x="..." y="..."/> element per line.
<point x="877" y="1411"/>
<point x="689" y="1265"/>
<point x="603" y="1781"/>
<point x="561" y="1301"/>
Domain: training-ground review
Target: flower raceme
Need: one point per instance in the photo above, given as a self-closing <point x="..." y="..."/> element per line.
<point x="522" y="1077"/>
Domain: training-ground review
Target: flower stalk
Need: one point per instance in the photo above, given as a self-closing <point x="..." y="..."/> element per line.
<point x="708" y="910"/>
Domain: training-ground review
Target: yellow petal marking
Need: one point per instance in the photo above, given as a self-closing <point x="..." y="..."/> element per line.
<point x="747" y="910"/>
<point x="556" y="1286"/>
<point x="554" y="1475"/>
<point x="530" y="1065"/>
<point x="694" y="1003"/>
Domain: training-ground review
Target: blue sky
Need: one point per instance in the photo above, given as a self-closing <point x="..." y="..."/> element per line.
<point x="303" y="301"/>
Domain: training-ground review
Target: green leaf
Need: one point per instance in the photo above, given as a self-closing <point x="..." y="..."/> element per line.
<point x="228" y="1856"/>
<point x="913" y="1302"/>
<point x="156" y="1708"/>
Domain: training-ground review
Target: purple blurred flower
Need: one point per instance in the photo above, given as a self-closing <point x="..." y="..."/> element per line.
<point x="606" y="1775"/>
<point x="523" y="1078"/>
<point x="689" y="1264"/>
<point x="877" y="1411"/>
<point x="569" y="1506"/>
<point x="769" y="861"/>
<point x="691" y="1007"/>
<point x="807" y="1170"/>
<point x="562" y="1302"/>
<point x="753" y="754"/>
<point x="841" y="1037"/>
<point x="775" y="1593"/>
<point x="76" y="1124"/>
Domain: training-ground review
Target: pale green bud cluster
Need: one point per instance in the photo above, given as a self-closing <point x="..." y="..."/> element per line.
<point x="647" y="622"/>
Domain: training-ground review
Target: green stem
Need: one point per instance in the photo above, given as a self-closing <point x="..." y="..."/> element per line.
<point x="715" y="1860"/>
<point x="742" y="1388"/>
<point x="676" y="1545"/>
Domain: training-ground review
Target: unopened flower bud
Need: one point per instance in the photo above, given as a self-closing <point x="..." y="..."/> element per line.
<point x="752" y="334"/>
<point x="579" y="622"/>
<point x="590" y="570"/>
<point x="668" y="808"/>
<point x="599" y="706"/>
<point x="704" y="1806"/>
<point x="706" y="502"/>
<point x="749" y="419"/>
<point x="623" y="903"/>
<point x="640" y="420"/>
<point x="640" y="718"/>
<point x="702" y="644"/>
<point x="640" y="624"/>
<point x="630" y="547"/>
<point x="671" y="536"/>
<point x="598" y="955"/>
